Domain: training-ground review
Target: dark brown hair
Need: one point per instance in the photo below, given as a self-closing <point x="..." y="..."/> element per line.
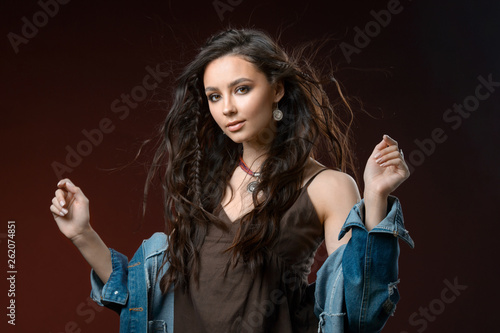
<point x="196" y="161"/>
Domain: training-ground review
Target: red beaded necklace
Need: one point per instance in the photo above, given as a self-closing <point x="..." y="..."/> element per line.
<point x="251" y="187"/>
<point x="245" y="168"/>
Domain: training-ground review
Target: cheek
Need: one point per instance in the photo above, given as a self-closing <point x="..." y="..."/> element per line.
<point x="258" y="106"/>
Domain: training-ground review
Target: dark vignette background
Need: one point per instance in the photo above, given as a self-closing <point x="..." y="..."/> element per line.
<point x="426" y="59"/>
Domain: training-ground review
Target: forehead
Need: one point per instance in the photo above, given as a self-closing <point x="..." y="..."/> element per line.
<point x="228" y="68"/>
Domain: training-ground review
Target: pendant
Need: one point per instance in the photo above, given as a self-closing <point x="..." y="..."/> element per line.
<point x="252" y="186"/>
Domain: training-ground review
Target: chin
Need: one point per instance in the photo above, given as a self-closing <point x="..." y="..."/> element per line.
<point x="236" y="139"/>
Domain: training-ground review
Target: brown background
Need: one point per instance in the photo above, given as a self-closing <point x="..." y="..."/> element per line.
<point x="64" y="80"/>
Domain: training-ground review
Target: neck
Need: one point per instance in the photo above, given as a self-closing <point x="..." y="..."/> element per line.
<point x="254" y="155"/>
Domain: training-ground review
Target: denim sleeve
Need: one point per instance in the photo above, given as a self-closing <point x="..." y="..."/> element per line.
<point x="114" y="293"/>
<point x="370" y="267"/>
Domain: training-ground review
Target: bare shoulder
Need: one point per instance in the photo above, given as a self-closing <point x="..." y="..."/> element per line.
<point x="331" y="192"/>
<point x="330" y="181"/>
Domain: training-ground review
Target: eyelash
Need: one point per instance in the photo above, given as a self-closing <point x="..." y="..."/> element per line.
<point x="246" y="88"/>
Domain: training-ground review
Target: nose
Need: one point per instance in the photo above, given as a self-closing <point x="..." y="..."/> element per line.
<point x="229" y="107"/>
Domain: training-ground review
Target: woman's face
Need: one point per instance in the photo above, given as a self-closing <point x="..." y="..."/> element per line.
<point x="241" y="99"/>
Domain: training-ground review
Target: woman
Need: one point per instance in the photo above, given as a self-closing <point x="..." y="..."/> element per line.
<point x="246" y="207"/>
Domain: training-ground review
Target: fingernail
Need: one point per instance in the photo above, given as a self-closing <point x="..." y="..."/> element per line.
<point x="382" y="164"/>
<point x="376" y="156"/>
<point x="62" y="202"/>
<point x="378" y="161"/>
<point x="61" y="213"/>
<point x="64" y="211"/>
<point x="60" y="182"/>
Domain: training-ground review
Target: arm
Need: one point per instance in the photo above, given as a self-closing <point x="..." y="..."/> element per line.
<point x="344" y="293"/>
<point x="336" y="193"/>
<point x="70" y="209"/>
<point x="333" y="194"/>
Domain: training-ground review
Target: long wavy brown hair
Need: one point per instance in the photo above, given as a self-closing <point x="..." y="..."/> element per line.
<point x="196" y="161"/>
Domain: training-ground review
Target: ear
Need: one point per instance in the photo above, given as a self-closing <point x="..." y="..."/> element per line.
<point x="279" y="91"/>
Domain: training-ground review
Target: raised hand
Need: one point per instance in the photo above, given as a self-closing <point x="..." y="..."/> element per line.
<point x="385" y="169"/>
<point x="70" y="208"/>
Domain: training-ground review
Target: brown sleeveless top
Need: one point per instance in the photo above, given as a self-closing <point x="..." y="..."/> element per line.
<point x="275" y="300"/>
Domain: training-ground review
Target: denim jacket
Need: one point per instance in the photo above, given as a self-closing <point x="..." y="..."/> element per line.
<point x="355" y="290"/>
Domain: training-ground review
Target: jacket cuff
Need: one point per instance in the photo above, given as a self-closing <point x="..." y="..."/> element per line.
<point x="115" y="289"/>
<point x="393" y="223"/>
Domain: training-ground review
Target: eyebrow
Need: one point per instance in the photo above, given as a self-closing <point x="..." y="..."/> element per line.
<point x="230" y="85"/>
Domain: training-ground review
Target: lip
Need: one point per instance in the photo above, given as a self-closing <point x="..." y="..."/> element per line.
<point x="233" y="126"/>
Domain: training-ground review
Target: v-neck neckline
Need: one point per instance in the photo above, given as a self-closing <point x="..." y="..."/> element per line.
<point x="309" y="181"/>
<point x="237" y="220"/>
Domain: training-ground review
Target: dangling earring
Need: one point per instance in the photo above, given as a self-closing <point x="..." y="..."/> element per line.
<point x="277" y="114"/>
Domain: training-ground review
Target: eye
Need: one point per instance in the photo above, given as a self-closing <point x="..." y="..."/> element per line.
<point x="213" y="97"/>
<point x="242" y="90"/>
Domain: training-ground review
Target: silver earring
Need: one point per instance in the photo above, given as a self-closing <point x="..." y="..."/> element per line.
<point x="277" y="114"/>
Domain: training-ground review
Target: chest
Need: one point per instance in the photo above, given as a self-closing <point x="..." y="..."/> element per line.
<point x="300" y="233"/>
<point x="238" y="200"/>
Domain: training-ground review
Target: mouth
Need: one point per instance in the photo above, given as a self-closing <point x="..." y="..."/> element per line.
<point x="235" y="125"/>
